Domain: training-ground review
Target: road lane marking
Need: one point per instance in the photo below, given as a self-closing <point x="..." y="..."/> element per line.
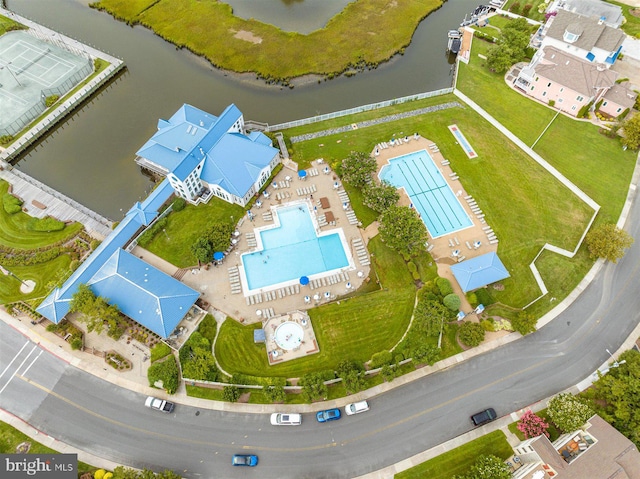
<point x="35" y="346"/>
<point x="14" y="358"/>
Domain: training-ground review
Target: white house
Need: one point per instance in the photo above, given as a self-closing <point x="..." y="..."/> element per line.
<point x="203" y="155"/>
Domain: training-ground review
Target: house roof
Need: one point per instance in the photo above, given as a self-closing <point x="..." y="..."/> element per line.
<point x="572" y="72"/>
<point x="611" y="14"/>
<point x="231" y="160"/>
<point x="592" y="32"/>
<point x="480" y="271"/>
<point x="56" y="305"/>
<point x="620" y="94"/>
<point x="613" y="455"/>
<point x="149" y="296"/>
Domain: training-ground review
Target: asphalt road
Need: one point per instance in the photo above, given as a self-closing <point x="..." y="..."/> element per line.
<point x="111" y="422"/>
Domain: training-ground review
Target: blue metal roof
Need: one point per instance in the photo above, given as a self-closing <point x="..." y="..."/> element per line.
<point x="152" y="298"/>
<point x="56" y="305"/>
<point x="480" y="271"/>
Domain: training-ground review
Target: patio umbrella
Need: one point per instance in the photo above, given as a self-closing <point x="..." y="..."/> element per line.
<point x="360" y="274"/>
<point x="336" y="185"/>
<point x="258" y="203"/>
<point x="326" y="170"/>
<point x="327" y="295"/>
<point x="302" y="174"/>
<point x="265" y="193"/>
<point x="288" y="178"/>
<point x="218" y="255"/>
<point x="274" y="184"/>
<point x="316" y="297"/>
<point x="307" y="299"/>
<point x="258" y="312"/>
<point x="345" y="206"/>
<point x="349" y="285"/>
<point x="304" y="280"/>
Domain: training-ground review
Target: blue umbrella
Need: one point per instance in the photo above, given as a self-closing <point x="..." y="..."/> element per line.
<point x="218" y="255"/>
<point x="302" y="173"/>
<point x="304" y="280"/>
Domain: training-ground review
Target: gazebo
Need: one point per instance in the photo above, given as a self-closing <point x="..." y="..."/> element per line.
<point x="480" y="271"/>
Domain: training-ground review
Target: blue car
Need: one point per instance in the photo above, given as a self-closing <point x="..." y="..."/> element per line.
<point x="244" y="460"/>
<point x="328" y="415"/>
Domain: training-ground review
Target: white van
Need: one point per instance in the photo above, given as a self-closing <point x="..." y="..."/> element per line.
<point x="283" y="419"/>
<point x="356" y="407"/>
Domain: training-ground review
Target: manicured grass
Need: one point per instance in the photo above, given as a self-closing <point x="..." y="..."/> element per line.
<point x="533" y="13"/>
<point x="6" y="25"/>
<point x="632" y="26"/>
<point x="459" y="460"/>
<point x="41" y="273"/>
<point x="505" y="182"/>
<point x="353" y="329"/>
<point x="553" y="432"/>
<point x="186" y="226"/>
<point x="14" y="231"/>
<point x="585" y="167"/>
<point x="368" y="31"/>
<point x="10" y="438"/>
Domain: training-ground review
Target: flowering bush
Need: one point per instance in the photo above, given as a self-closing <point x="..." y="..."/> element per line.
<point x="532" y="425"/>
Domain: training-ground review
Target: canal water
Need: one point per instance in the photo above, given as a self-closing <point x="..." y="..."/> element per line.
<point x="90" y="156"/>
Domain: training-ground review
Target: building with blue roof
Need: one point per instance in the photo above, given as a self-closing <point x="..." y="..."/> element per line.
<point x="203" y="155"/>
<point x="141" y="291"/>
<point x="480" y="271"/>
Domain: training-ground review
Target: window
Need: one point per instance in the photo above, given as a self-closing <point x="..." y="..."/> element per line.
<point x="570" y="37"/>
<point x="573" y="108"/>
<point x="618" y="110"/>
<point x="549" y="84"/>
<point x="561" y="90"/>
<point x="579" y="98"/>
<point x="605" y="103"/>
<point x="532" y="88"/>
<point x="560" y="100"/>
<point x="544" y="93"/>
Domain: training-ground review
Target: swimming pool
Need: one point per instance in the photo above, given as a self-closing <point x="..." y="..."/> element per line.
<point x="440" y="210"/>
<point x="292" y="249"/>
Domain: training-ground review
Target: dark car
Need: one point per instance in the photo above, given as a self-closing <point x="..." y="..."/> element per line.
<point x="250" y="460"/>
<point x="483" y="417"/>
<point x="328" y="415"/>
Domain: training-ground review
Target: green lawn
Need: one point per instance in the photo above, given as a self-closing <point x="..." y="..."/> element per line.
<point x="354" y="329"/>
<point x="10" y="438"/>
<point x="41" y="273"/>
<point x="6" y="25"/>
<point x="459" y="460"/>
<point x="367" y="31"/>
<point x="533" y="13"/>
<point x="632" y="25"/>
<point x="186" y="226"/>
<point x="14" y="231"/>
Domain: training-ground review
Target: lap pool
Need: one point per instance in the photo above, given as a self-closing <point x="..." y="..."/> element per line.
<point x="292" y="249"/>
<point x="433" y="198"/>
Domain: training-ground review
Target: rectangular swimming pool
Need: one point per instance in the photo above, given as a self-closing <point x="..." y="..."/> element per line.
<point x="292" y="249"/>
<point x="435" y="201"/>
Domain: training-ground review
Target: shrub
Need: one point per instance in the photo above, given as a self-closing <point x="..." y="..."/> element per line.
<point x="146" y="237"/>
<point x="6" y="139"/>
<point x="275" y="393"/>
<point x="74" y="265"/>
<point x="452" y="301"/>
<point x="471" y="334"/>
<point x="473" y="299"/>
<point x="515" y="7"/>
<point x="230" y="393"/>
<point x="524" y="323"/>
<point x="11" y="203"/>
<point x="388" y="373"/>
<point x="76" y="343"/>
<point x="51" y="100"/>
<point x="208" y="328"/>
<point x="99" y="474"/>
<point x="426" y="353"/>
<point x="487" y="325"/>
<point x="94" y="244"/>
<point x="568" y="412"/>
<point x="444" y="286"/>
<point x="584" y="111"/>
<point x="380" y="359"/>
<point x="526" y="9"/>
<point x="484" y="297"/>
<point x="532" y="425"/>
<point x="165" y="371"/>
<point x="108" y="475"/>
<point x="178" y="204"/>
<point x="552" y="102"/>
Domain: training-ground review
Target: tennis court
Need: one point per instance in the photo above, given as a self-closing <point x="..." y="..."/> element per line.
<point x="30" y="71"/>
<point x="428" y="191"/>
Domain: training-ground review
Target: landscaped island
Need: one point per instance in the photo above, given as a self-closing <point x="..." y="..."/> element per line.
<point x="364" y="34"/>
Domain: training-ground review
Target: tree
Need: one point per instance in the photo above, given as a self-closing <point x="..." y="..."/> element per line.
<point x="202" y="249"/>
<point x="275" y="393"/>
<point x="313" y="386"/>
<point x="357" y="168"/>
<point x="166" y="371"/>
<point x="230" y="393"/>
<point x="489" y="467"/>
<point x="402" y="230"/>
<point x="631" y="129"/>
<point x="219" y="237"/>
<point x="200" y="366"/>
<point x="607" y="241"/>
<point x="471" y="334"/>
<point x="425" y="353"/>
<point x="616" y="395"/>
<point x="452" y="301"/>
<point x="354" y="381"/>
<point x="499" y="59"/>
<point x="94" y="310"/>
<point x="511" y="46"/>
<point x="430" y="316"/>
<point x="532" y="425"/>
<point x="524" y="323"/>
<point x="380" y="197"/>
<point x="568" y="412"/>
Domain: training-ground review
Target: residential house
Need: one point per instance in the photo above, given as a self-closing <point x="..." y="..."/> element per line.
<point x="203" y="155"/>
<point x="582" y="36"/>
<point x="598" y="451"/>
<point x="610" y="14"/>
<point x="570" y="82"/>
<point x="617" y="100"/>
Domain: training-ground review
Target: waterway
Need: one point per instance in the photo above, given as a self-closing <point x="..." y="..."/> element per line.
<point x="90" y="156"/>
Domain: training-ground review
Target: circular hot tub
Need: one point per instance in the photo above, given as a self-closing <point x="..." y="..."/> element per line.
<point x="289" y="335"/>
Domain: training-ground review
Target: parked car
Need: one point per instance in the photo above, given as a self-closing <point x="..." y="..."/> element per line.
<point x="284" y="419"/>
<point x="328" y="415"/>
<point x="250" y="460"/>
<point x="356" y="407"/>
<point x="483" y="417"/>
<point x="159" y="404"/>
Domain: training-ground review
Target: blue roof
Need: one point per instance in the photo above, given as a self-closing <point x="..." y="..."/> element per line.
<point x="232" y="160"/>
<point x="479" y="271"/>
<point x="152" y="298"/>
<point x="56" y="305"/>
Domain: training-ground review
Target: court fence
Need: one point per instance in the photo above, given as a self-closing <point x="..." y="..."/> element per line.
<point x="36" y="110"/>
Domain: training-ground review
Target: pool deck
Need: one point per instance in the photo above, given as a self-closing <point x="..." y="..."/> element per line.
<point x="440" y="248"/>
<point x="214" y="282"/>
